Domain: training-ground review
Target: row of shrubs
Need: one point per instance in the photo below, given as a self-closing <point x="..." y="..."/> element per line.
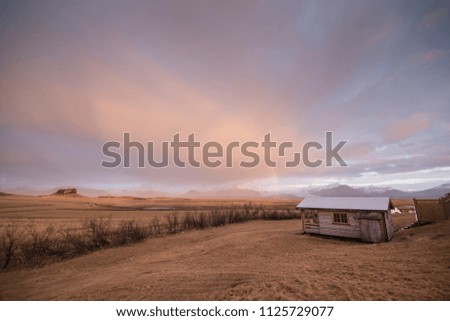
<point x="29" y="246"/>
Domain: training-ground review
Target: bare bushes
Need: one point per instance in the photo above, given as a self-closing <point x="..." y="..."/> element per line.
<point x="9" y="244"/>
<point x="30" y="246"/>
<point x="172" y="226"/>
<point x="233" y="214"/>
<point x="36" y="245"/>
<point x="130" y="231"/>
<point x="279" y="214"/>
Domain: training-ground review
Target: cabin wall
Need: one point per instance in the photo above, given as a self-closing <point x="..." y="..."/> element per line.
<point x="327" y="227"/>
<point x="373" y="230"/>
<point x="312" y="228"/>
<point x="389" y="225"/>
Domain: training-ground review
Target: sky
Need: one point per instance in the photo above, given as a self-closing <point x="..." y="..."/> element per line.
<point x="77" y="74"/>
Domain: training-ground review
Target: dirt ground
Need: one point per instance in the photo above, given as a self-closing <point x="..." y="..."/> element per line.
<point x="259" y="260"/>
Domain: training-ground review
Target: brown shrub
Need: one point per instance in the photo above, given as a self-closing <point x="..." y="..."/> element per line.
<point x="9" y="244"/>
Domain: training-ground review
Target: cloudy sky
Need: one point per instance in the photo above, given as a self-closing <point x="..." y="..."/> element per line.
<point x="76" y="74"/>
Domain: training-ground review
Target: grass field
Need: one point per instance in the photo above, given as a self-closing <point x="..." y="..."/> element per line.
<point x="255" y="260"/>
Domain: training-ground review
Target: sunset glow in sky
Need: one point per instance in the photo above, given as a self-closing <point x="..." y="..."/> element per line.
<point x="76" y="74"/>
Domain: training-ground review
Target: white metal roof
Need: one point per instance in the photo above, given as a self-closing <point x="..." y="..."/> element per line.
<point x="346" y="203"/>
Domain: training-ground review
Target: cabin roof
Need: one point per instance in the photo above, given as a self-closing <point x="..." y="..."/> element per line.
<point x="347" y="203"/>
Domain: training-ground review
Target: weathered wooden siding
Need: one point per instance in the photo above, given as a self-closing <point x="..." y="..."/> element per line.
<point x="372" y="230"/>
<point x="389" y="225"/>
<point x="431" y="210"/>
<point x="327" y="227"/>
<point x="312" y="228"/>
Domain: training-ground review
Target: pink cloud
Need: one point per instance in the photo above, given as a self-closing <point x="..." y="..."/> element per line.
<point x="385" y="31"/>
<point x="432" y="55"/>
<point x="430" y="19"/>
<point x="406" y="128"/>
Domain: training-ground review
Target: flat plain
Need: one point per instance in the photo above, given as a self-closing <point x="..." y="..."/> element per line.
<point x="254" y="260"/>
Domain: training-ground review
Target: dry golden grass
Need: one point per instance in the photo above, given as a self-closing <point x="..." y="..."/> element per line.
<point x="67" y="211"/>
<point x="259" y="260"/>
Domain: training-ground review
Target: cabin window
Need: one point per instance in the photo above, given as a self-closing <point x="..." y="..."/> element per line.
<point x="340" y="218"/>
<point x="312" y="216"/>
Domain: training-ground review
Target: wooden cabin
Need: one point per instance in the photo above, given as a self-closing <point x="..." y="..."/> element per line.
<point x="364" y="218"/>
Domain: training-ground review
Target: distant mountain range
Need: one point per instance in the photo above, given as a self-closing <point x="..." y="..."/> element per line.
<point x="339" y="190"/>
<point x="334" y="190"/>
